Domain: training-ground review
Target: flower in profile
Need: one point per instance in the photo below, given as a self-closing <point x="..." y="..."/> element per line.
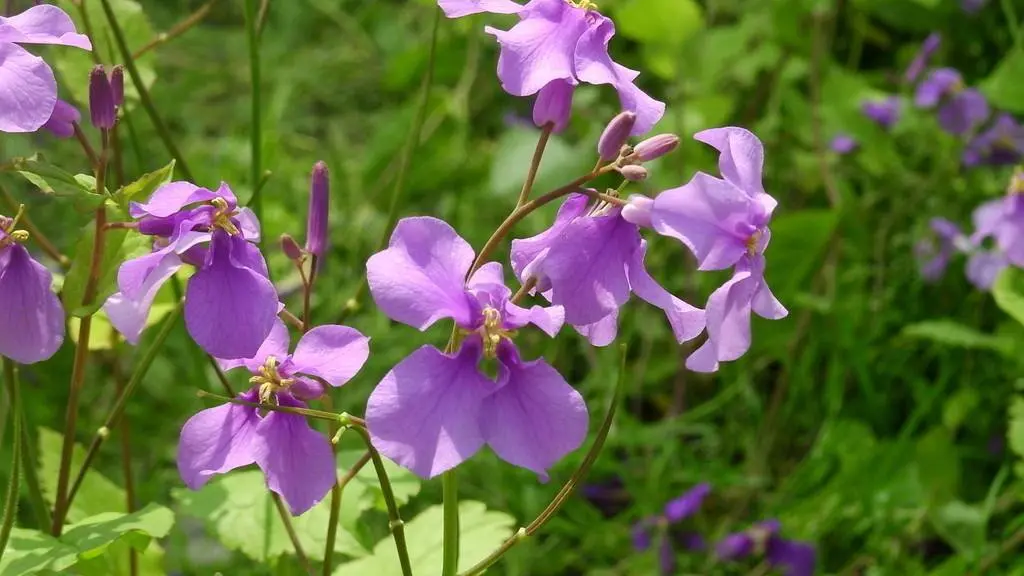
<point x="961" y="109"/>
<point x="298" y="462"/>
<point x="886" y="113"/>
<point x="230" y="304"/>
<point x="555" y="46"/>
<point x="1002" y="144"/>
<point x="924" y="54"/>
<point x="724" y="222"/>
<point x="434" y="410"/>
<point x="31" y="316"/>
<point x="28" y="89"/>
<point x="843" y="144"/>
<point x="675" y="512"/>
<point x="763" y="540"/>
<point x="933" y="254"/>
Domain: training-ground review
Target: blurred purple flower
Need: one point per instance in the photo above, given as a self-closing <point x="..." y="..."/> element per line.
<point x="724" y="222"/>
<point x="884" y="112"/>
<point x="230" y="305"/>
<point x="961" y="109"/>
<point x="792" y="557"/>
<point x="31" y="316"/>
<point x="297" y="461"/>
<point x="1002" y="219"/>
<point x="555" y="46"/>
<point x="843" y="144"/>
<point x="28" y="89"/>
<point x="972" y="6"/>
<point x="675" y="511"/>
<point x="1001" y="145"/>
<point x="434" y="410"/>
<point x="933" y="254"/>
<point x="924" y="54"/>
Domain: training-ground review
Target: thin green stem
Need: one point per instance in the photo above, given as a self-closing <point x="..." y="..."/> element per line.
<point x="450" y="543"/>
<point x="144" y="97"/>
<point x="126" y="455"/>
<point x="289" y="527"/>
<point x="344" y="419"/>
<point x="1011" y="20"/>
<point x="394" y="518"/>
<point x="566" y="491"/>
<point x="255" y="128"/>
<point x="538" y="155"/>
<point x="14" y="485"/>
<point x="35" y="491"/>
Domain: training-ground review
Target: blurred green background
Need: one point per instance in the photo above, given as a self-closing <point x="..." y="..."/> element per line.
<point x="883" y="420"/>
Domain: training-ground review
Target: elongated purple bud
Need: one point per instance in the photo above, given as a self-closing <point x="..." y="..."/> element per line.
<point x="655" y="147"/>
<point x="553" y="105"/>
<point x="290" y="247"/>
<point x="633" y="172"/>
<point x="615" y="134"/>
<point x="117" y="85"/>
<point x="319" y="206"/>
<point x="101" y="99"/>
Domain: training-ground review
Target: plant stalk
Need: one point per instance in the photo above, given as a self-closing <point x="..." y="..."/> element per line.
<point x="450" y="550"/>
<point x="255" y="128"/>
<point x="394" y="518"/>
<point x="14" y="484"/>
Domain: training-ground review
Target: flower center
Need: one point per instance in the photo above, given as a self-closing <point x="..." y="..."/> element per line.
<point x="492" y="332"/>
<point x="583" y="4"/>
<point x="222" y="217"/>
<point x="754" y="242"/>
<point x="270" y="381"/>
<point x="11" y="235"/>
<point x="1016" y="182"/>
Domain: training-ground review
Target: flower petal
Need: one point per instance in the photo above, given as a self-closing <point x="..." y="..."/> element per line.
<point x="248" y="224"/>
<point x="728" y="323"/>
<point x="62" y="121"/>
<point x="602" y="332"/>
<point x="688" y="504"/>
<point x="28" y="90"/>
<point x="548" y="318"/>
<point x="31" y="316"/>
<point x="425" y="413"/>
<point x="42" y="24"/>
<point x="983" y="267"/>
<point x="229" y="309"/>
<point x="418" y="279"/>
<point x="333" y="353"/>
<point x="535" y="418"/>
<point x="797" y="557"/>
<point x="140" y="281"/>
<point x="459" y="8"/>
<point x="217" y="440"/>
<point x="275" y="345"/>
<point x="527" y="251"/>
<point x="170" y="199"/>
<point x="687" y="321"/>
<point x="741" y="160"/>
<point x="297" y="460"/>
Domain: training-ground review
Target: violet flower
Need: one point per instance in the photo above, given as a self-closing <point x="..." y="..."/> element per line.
<point x="724" y="222"/>
<point x="843" y="144"/>
<point x="924" y="54"/>
<point x="298" y="462"/>
<point x="28" y="89"/>
<point x="230" y="305"/>
<point x="972" y="6"/>
<point x="1002" y="220"/>
<point x="792" y="557"/>
<point x="961" y="109"/>
<point x="933" y="254"/>
<point x="886" y="113"/>
<point x="434" y="410"/>
<point x="675" y="511"/>
<point x="556" y="46"/>
<point x="1002" y="144"/>
<point x="30" y="313"/>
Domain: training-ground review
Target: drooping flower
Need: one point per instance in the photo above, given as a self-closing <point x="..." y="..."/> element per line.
<point x="31" y="316"/>
<point x="28" y="89"/>
<point x="724" y="222"/>
<point x="961" y="109"/>
<point x="62" y="122"/>
<point x="924" y="54"/>
<point x="230" y="304"/>
<point x="675" y="511"/>
<point x="557" y="45"/>
<point x="793" y="557"/>
<point x="843" y="144"/>
<point x="297" y="461"/>
<point x="1002" y="144"/>
<point x="933" y="254"/>
<point x="886" y="113"/>
<point x="434" y="410"/>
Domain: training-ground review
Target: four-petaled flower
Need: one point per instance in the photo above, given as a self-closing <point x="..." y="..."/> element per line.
<point x="28" y="89"/>
<point x="434" y="410"/>
<point x="795" y="558"/>
<point x="230" y="305"/>
<point x="675" y="511"/>
<point x="961" y="109"/>
<point x="297" y="461"/>
<point x="31" y="316"/>
<point x="557" y="45"/>
<point x="1002" y="144"/>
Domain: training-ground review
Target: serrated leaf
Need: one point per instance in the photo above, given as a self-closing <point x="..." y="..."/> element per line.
<point x="57" y="182"/>
<point x="481" y="531"/>
<point x="1008" y="291"/>
<point x="145" y="185"/>
<point x="1003" y="87"/>
<point x="952" y="333"/>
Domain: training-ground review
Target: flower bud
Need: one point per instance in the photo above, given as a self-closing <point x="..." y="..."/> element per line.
<point x="290" y="247"/>
<point x="615" y="135"/>
<point x="553" y="105"/>
<point x="117" y="85"/>
<point x="62" y="121"/>
<point x="101" y="99"/>
<point x="633" y="172"/>
<point x="638" y="210"/>
<point x="655" y="147"/>
<point x="319" y="206"/>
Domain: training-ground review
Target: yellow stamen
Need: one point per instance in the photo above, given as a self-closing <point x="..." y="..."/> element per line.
<point x="7" y="225"/>
<point x="753" y="241"/>
<point x="222" y="216"/>
<point x="584" y="4"/>
<point x="270" y="381"/>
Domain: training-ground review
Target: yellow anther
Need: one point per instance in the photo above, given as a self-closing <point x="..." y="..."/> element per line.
<point x="222" y="216"/>
<point x="492" y="332"/>
<point x="19" y="235"/>
<point x="1016" y="182"/>
<point x="753" y="242"/>
<point x="270" y="381"/>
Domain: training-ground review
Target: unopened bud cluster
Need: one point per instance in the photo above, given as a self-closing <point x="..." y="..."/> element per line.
<point x="613" y="146"/>
<point x="106" y="95"/>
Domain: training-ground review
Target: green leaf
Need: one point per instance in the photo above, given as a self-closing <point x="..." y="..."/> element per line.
<point x="404" y="484"/>
<point x="31" y="551"/>
<point x="92" y="535"/>
<point x="1015" y="432"/>
<point x="669" y="23"/>
<point x="938" y="465"/>
<point x="145" y="185"/>
<point x="75" y="282"/>
<point x="1003" y="87"/>
<point x="1008" y="292"/>
<point x="96" y="495"/>
<point x="58" y="183"/>
<point x="798" y="242"/>
<point x="962" y="526"/>
<point x="238" y="511"/>
<point x="481" y="531"/>
<point x="952" y="333"/>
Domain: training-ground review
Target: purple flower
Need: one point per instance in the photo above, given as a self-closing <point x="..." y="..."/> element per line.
<point x="30" y="313"/>
<point x="960" y="109"/>
<point x="724" y="222"/>
<point x="1002" y="220"/>
<point x="675" y="511"/>
<point x="555" y="46"/>
<point x="28" y="89"/>
<point x="230" y="305"/>
<point x="843" y="144"/>
<point x="793" y="557"/>
<point x="1001" y="145"/>
<point x="590" y="261"/>
<point x="972" y="6"/>
<point x="933" y="254"/>
<point x="885" y="112"/>
<point x="297" y="461"/>
<point x="920" y="61"/>
<point x="434" y="410"/>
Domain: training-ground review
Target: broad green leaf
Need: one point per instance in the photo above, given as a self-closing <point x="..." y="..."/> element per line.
<point x="1008" y="292"/>
<point x="31" y="551"/>
<point x="669" y="23"/>
<point x="481" y="531"/>
<point x="952" y="333"/>
<point x="96" y="495"/>
<point x="239" y="512"/>
<point x="145" y="185"/>
<point x="1003" y="87"/>
<point x="92" y="535"/>
<point x="56" y="182"/>
<point x="404" y="484"/>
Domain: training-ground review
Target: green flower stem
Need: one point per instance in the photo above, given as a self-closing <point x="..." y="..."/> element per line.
<point x="395" y="520"/>
<point x="563" y="495"/>
<point x="14" y="484"/>
<point x="538" y="155"/>
<point x="35" y="491"/>
<point x="256" y="124"/>
<point x="450" y="549"/>
<point x="332" y="524"/>
<point x="343" y="419"/>
<point x="289" y="528"/>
